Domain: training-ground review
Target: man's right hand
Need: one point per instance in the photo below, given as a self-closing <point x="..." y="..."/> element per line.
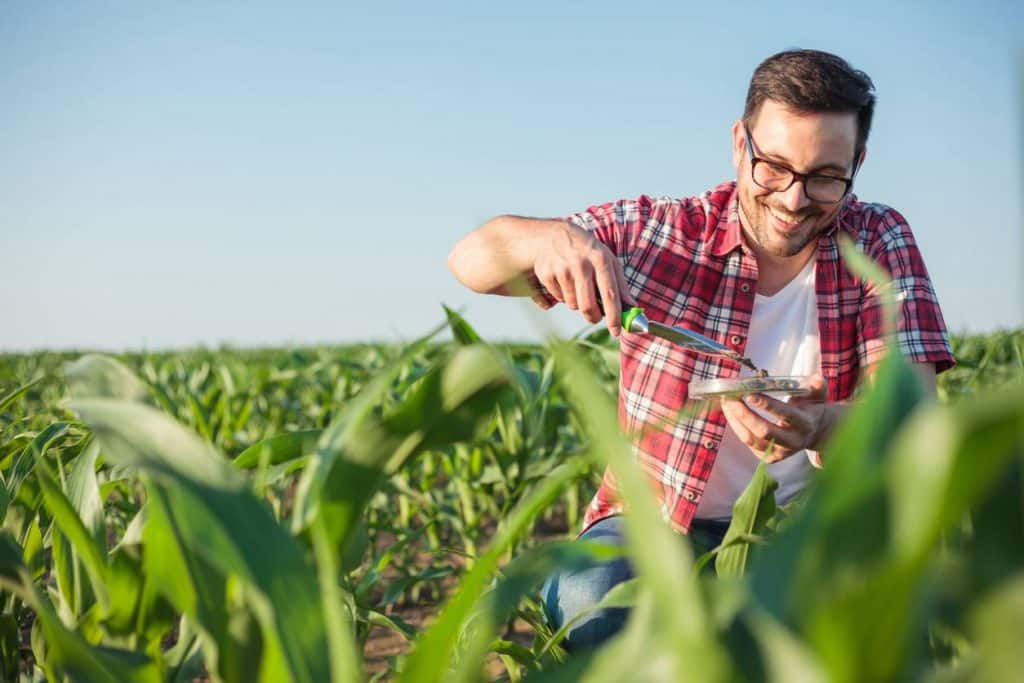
<point x="579" y="270"/>
<point x="572" y="264"/>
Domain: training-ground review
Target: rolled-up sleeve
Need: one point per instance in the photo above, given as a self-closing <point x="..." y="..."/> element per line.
<point x="921" y="334"/>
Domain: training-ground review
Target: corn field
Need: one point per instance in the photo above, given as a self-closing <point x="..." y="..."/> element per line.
<point x="389" y="512"/>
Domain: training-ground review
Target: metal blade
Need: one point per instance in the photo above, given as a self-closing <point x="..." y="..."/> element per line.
<point x="696" y="341"/>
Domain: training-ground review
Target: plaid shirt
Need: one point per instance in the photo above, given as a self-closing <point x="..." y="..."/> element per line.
<point x="687" y="264"/>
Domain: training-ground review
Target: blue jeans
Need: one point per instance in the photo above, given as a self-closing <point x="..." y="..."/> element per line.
<point x="567" y="593"/>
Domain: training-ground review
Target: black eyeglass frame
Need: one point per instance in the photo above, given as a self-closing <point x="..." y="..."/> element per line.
<point x="796" y="175"/>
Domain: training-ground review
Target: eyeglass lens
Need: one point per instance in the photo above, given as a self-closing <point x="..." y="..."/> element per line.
<point x="778" y="179"/>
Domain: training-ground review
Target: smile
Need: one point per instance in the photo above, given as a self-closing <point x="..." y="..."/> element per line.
<point x="786" y="220"/>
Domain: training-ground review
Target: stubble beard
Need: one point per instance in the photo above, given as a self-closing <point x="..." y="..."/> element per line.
<point x="757" y="221"/>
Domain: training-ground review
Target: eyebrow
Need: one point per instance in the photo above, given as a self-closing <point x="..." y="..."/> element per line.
<point x="823" y="167"/>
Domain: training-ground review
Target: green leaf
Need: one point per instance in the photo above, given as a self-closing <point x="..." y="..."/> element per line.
<point x="344" y="657"/>
<point x="786" y="656"/>
<point x="96" y="375"/>
<point x="661" y="559"/>
<point x="8" y="400"/>
<point x="452" y="401"/>
<point x="83" y="493"/>
<point x="66" y="651"/>
<point x="446" y="405"/>
<point x="847" y="500"/>
<point x="996" y="624"/>
<point x="217" y="519"/>
<point x="945" y="460"/>
<point x="462" y="331"/>
<point x="431" y="658"/>
<point x="279" y="449"/>
<point x="881" y="284"/>
<point x="82" y="542"/>
<point x="750" y="515"/>
<point x="187" y="581"/>
<point x="343" y="431"/>
<point x="31" y="454"/>
<point x="10" y="647"/>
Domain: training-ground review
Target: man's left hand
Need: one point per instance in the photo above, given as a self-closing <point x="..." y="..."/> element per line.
<point x="801" y="423"/>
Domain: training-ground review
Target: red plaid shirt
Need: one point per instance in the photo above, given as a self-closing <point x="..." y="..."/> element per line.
<point x="687" y="264"/>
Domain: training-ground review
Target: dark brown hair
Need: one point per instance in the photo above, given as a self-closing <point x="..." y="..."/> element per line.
<point x="813" y="81"/>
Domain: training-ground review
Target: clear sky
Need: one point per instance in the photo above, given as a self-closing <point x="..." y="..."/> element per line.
<point x="203" y="173"/>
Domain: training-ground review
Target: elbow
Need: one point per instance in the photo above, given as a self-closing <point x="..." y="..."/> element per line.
<point x="456" y="259"/>
<point x="460" y="262"/>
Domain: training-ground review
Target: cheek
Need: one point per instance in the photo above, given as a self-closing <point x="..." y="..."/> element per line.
<point x="829" y="213"/>
<point x="751" y="192"/>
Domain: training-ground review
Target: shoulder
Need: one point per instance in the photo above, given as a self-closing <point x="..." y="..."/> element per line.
<point x="660" y="219"/>
<point x="695" y="215"/>
<point x="877" y="228"/>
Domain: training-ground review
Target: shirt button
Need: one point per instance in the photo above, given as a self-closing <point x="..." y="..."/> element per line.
<point x="745" y="287"/>
<point x="709" y="444"/>
<point x="735" y="339"/>
<point x="689" y="495"/>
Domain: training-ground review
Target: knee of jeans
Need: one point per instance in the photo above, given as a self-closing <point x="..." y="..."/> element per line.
<point x="568" y="594"/>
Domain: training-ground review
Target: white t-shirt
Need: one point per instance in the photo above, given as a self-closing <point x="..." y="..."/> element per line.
<point x="783" y="339"/>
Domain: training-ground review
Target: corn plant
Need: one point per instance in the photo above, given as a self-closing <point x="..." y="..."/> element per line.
<point x="266" y="515"/>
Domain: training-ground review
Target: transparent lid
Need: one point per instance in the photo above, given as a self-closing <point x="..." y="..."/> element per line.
<point x="742" y="386"/>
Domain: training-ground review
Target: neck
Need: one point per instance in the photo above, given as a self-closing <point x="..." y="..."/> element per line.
<point x="775" y="272"/>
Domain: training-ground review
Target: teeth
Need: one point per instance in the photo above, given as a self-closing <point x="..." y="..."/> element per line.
<point x="792" y="220"/>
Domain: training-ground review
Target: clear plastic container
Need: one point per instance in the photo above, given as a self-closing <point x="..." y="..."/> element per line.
<point x="744" y="386"/>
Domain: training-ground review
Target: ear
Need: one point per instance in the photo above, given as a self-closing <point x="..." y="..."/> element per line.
<point x="739" y="144"/>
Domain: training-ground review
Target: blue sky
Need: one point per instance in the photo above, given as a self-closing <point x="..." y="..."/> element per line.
<point x="202" y="173"/>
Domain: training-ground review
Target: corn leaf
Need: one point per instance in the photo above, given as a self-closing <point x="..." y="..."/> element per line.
<point x="218" y="520"/>
<point x="750" y="515"/>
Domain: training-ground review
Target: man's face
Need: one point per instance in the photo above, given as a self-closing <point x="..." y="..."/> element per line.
<point x="785" y="224"/>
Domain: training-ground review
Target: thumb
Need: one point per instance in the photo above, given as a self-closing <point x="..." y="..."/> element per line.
<point x="818" y="391"/>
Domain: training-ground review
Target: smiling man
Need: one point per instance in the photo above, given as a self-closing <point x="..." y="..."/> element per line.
<point x="754" y="264"/>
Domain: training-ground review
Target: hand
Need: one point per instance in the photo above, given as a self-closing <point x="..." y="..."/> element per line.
<point x="570" y="262"/>
<point x="802" y="423"/>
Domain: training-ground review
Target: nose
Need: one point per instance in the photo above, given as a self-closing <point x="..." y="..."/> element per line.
<point x="794" y="199"/>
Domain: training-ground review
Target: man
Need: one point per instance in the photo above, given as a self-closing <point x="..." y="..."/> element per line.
<point x="753" y="264"/>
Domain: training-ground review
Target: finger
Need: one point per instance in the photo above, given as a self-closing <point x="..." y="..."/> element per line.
<point x="784" y="415"/>
<point x="761" y="430"/>
<point x="737" y="419"/>
<point x="738" y="427"/>
<point x="567" y="283"/>
<point x="610" y="302"/>
<point x="551" y="284"/>
<point x="541" y="301"/>
<point x="586" y="294"/>
<point x="623" y="287"/>
<point x="765" y="449"/>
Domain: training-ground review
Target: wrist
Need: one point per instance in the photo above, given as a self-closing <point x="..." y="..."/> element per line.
<point x="831" y="414"/>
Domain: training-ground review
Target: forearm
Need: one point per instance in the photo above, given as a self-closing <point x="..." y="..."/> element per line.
<point x="499" y="251"/>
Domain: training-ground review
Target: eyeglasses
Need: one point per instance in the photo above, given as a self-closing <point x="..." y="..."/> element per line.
<point x="778" y="178"/>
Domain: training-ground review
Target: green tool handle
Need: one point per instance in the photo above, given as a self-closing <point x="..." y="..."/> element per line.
<point x="629" y="313"/>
